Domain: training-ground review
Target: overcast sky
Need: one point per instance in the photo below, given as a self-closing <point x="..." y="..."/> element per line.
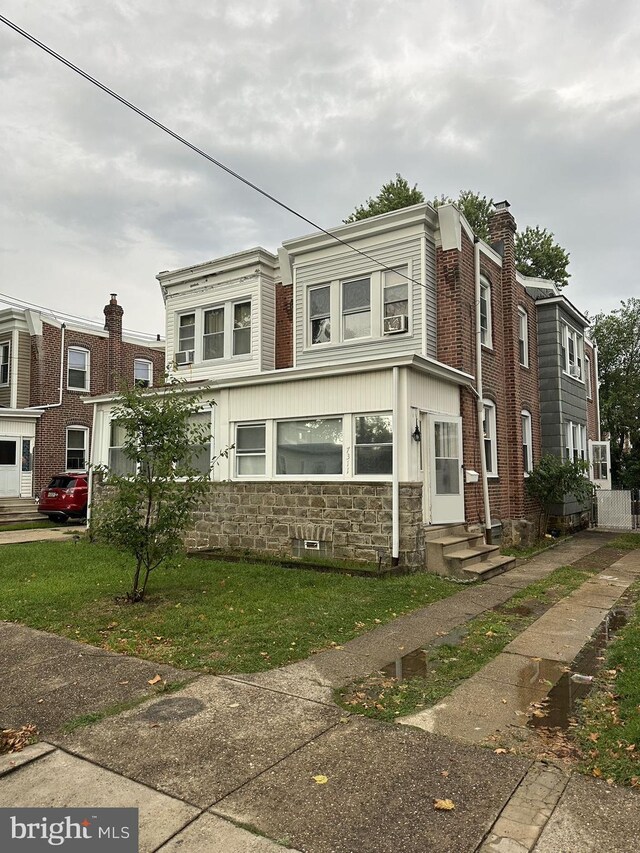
<point x="320" y="103"/>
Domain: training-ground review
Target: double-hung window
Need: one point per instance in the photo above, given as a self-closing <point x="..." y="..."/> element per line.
<point x="373" y="445"/>
<point x="527" y="442"/>
<point x="187" y="334"/>
<point x="575" y="441"/>
<point x="77" y="369"/>
<point x="587" y="376"/>
<point x="572" y="352"/>
<point x="213" y="334"/>
<point x="77" y="442"/>
<point x="242" y="328"/>
<point x="250" y="449"/>
<point x="142" y="372"/>
<point x="523" y="336"/>
<point x="396" y="298"/>
<point x="309" y="446"/>
<point x="486" y="333"/>
<point x="5" y="350"/>
<point x="490" y="437"/>
<point x="356" y="309"/>
<point x="119" y="462"/>
<point x="320" y="314"/>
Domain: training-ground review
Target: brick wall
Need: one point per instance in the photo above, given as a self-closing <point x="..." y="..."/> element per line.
<point x="353" y="519"/>
<point x="284" y="325"/>
<point x="506" y="383"/>
<point x="111" y="362"/>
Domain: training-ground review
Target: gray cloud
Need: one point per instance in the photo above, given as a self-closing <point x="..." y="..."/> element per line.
<point x="320" y="103"/>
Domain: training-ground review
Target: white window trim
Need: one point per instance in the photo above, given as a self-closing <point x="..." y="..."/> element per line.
<point x="580" y="446"/>
<point x="198" y="351"/>
<point x="87" y="372"/>
<point x="85" y="430"/>
<point x="149" y="363"/>
<point x="587" y="377"/>
<point x="527" y="438"/>
<point x="5" y="345"/>
<point x="271" y="450"/>
<point x="578" y="348"/>
<point x="376" y="303"/>
<point x="485" y="285"/>
<point x="489" y="409"/>
<point x="523" y="319"/>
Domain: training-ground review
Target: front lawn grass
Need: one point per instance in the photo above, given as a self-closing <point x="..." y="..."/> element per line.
<point x="447" y="665"/>
<point x="624" y="542"/>
<point x="609" y="722"/>
<point x="200" y="614"/>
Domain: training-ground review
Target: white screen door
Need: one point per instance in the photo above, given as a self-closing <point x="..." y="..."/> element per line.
<point x="444" y="471"/>
<point x="9" y="468"/>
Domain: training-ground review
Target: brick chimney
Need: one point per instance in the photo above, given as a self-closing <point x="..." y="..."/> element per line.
<point x="113" y="325"/>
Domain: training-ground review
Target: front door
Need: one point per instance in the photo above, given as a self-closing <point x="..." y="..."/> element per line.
<point x="444" y="470"/>
<point x="600" y="464"/>
<point x="9" y="468"/>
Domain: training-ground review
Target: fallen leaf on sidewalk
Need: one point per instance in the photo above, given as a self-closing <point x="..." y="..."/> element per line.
<point x="320" y="779"/>
<point x="444" y="805"/>
<point x="444" y="773"/>
<point x="155" y="679"/>
<point x="501" y="751"/>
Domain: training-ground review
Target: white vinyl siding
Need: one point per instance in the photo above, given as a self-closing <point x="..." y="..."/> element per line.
<point x="398" y="253"/>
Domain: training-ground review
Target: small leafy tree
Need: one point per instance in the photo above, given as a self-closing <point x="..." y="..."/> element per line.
<point x="537" y="254"/>
<point x="475" y="208"/>
<point x="552" y="480"/>
<point x="147" y="510"/>
<point x="394" y="195"/>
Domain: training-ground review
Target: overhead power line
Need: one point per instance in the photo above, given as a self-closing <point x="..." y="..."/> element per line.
<point x="195" y="148"/>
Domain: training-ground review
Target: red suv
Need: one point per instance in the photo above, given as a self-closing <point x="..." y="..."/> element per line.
<point x="65" y="497"/>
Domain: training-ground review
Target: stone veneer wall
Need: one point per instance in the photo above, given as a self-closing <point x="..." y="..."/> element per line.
<point x="353" y="519"/>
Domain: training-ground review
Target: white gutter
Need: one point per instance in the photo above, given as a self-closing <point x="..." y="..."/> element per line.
<point x="395" y="482"/>
<point x="59" y="403"/>
<point x="479" y="390"/>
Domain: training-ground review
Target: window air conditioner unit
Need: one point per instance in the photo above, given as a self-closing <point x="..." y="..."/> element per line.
<point x="185" y="356"/>
<point x="395" y="325"/>
<point x="574" y="370"/>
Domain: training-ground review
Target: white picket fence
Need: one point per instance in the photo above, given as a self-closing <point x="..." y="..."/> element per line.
<point x="617" y="508"/>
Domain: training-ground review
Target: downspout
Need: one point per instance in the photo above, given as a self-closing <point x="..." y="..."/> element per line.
<point x="395" y="482"/>
<point x="91" y="465"/>
<point x="480" y="395"/>
<point x="59" y="403"/>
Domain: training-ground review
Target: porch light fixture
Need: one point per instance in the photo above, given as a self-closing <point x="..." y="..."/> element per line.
<point x="416" y="435"/>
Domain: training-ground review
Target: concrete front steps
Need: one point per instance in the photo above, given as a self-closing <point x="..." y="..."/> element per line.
<point x="17" y="510"/>
<point x="457" y="552"/>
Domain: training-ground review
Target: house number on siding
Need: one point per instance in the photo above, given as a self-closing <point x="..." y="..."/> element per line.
<point x="347" y="464"/>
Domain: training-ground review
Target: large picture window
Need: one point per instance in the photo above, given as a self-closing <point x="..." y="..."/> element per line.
<point x="309" y="447"/>
<point x="373" y="444"/>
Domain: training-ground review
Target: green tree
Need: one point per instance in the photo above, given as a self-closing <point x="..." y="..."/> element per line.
<point x="552" y="480"/>
<point x="618" y="337"/>
<point x="475" y="208"/>
<point x="147" y="511"/>
<point x="538" y="255"/>
<point x="394" y="195"/>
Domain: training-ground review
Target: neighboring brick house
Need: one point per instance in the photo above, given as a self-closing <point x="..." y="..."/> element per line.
<point x="366" y="397"/>
<point x="52" y="363"/>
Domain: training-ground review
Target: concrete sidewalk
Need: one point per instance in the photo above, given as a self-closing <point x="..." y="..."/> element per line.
<point x="226" y="753"/>
<point x="46" y="534"/>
